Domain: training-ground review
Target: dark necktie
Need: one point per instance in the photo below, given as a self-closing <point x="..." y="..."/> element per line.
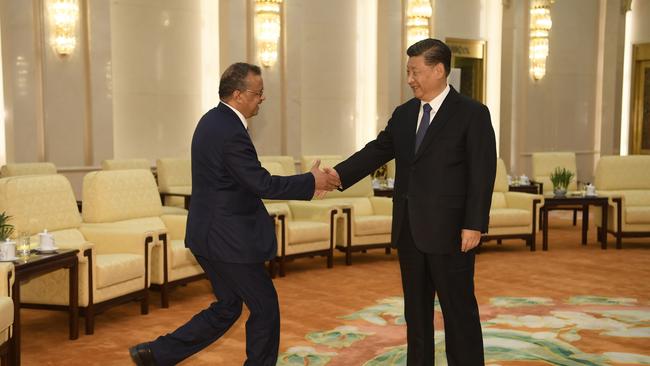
<point x="424" y="124"/>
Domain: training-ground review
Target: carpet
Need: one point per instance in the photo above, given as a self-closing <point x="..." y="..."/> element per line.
<point x="575" y="331"/>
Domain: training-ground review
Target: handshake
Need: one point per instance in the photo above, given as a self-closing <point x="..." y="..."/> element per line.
<point x="326" y="179"/>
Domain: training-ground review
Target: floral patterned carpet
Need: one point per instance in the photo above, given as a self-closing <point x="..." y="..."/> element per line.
<point x="575" y="331"/>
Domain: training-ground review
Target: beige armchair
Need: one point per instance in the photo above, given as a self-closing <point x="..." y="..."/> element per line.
<point x="125" y="164"/>
<point x="364" y="221"/>
<point x="544" y="163"/>
<point x="513" y="215"/>
<point x="6" y="310"/>
<point x="114" y="265"/>
<point x="626" y="180"/>
<point x="175" y="181"/>
<point x="13" y="170"/>
<point x="130" y="199"/>
<point x="304" y="229"/>
<point x="130" y="164"/>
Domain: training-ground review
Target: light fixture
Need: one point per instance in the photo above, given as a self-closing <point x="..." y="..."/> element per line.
<point x="267" y="30"/>
<point x="418" y="13"/>
<point x="540" y="26"/>
<point x="63" y="17"/>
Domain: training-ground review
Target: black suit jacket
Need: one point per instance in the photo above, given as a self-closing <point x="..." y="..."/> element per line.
<point x="227" y="221"/>
<point x="447" y="185"/>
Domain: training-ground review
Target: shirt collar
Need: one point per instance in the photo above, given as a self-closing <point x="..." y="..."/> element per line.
<point x="436" y="102"/>
<point x="238" y="113"/>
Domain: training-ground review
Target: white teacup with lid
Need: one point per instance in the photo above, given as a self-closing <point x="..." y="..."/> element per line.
<point x="45" y="241"/>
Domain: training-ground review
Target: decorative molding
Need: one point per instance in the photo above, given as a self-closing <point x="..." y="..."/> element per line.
<point x="626" y="5"/>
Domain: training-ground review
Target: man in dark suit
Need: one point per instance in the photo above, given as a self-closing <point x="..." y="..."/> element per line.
<point x="228" y="229"/>
<point x="445" y="155"/>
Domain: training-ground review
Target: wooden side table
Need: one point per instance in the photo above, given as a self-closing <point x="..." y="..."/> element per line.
<point x="552" y="202"/>
<point x="36" y="265"/>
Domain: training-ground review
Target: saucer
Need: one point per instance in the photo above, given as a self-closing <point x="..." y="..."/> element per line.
<point x="47" y="251"/>
<point x="9" y="259"/>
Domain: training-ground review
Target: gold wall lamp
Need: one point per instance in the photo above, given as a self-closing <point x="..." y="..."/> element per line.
<point x="268" y="26"/>
<point x="540" y="26"/>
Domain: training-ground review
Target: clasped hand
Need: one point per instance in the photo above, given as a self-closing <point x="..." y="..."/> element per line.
<point x="326" y="179"/>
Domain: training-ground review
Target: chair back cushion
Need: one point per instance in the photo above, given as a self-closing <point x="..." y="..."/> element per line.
<point x="39" y="202"/>
<point x="273" y="167"/>
<point x="544" y="163"/>
<point x="287" y="162"/>
<point x="12" y="170"/>
<point x="173" y="173"/>
<point x="124" y="164"/>
<point x="501" y="178"/>
<point x="623" y="173"/>
<point x="116" y="195"/>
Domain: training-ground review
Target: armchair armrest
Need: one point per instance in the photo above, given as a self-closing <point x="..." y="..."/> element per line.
<point x="7" y="277"/>
<point x="81" y="247"/>
<point x="275" y="209"/>
<point x="382" y="205"/>
<point x="112" y="240"/>
<point x="522" y="200"/>
<point x="312" y="211"/>
<point x="175" y="225"/>
<point x="613" y="196"/>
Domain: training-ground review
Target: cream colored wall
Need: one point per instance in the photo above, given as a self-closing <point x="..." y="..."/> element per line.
<point x="640" y="23"/>
<point x="156" y="48"/>
<point x="572" y="108"/>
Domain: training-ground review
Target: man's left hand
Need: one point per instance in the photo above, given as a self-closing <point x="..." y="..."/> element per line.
<point x="470" y="239"/>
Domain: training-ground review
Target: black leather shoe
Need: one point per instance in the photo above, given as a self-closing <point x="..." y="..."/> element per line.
<point x="141" y="355"/>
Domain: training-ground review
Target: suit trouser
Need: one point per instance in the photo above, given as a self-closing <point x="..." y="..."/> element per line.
<point x="451" y="276"/>
<point x="233" y="284"/>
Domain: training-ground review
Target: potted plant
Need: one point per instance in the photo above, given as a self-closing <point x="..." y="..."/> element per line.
<point x="561" y="177"/>
<point x="6" y="229"/>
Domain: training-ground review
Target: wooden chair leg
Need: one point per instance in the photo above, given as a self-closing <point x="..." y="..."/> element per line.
<point x="282" y="274"/>
<point x="164" y="295"/>
<point x="499" y="241"/>
<point x="330" y="259"/>
<point x="90" y="320"/>
<point x="348" y="255"/>
<point x="388" y="251"/>
<point x="575" y="217"/>
<point x="144" y="303"/>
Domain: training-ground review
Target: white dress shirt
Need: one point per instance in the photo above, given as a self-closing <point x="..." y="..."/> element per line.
<point x="238" y="113"/>
<point x="435" y="104"/>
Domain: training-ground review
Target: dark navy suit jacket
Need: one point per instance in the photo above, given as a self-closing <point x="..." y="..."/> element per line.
<point x="445" y="186"/>
<point x="227" y="221"/>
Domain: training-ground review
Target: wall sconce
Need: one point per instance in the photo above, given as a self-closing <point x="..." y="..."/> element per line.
<point x="540" y="25"/>
<point x="418" y="13"/>
<point x="63" y="17"/>
<point x="267" y="30"/>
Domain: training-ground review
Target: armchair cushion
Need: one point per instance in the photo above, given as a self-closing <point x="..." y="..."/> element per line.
<point x="39" y="202"/>
<point x="173" y="173"/>
<point x="12" y="170"/>
<point x="117" y="195"/>
<point x="504" y="217"/>
<point x="372" y="225"/>
<point x="125" y="164"/>
<point x="6" y="316"/>
<point x="287" y="163"/>
<point x="638" y="215"/>
<point x="117" y="268"/>
<point x="307" y="231"/>
<point x="181" y="256"/>
<point x="544" y="163"/>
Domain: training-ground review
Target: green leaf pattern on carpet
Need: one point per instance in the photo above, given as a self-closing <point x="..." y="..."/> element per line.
<point x="537" y="338"/>
<point x="339" y="337"/>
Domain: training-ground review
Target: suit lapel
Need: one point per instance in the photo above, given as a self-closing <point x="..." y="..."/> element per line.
<point x="412" y="112"/>
<point x="443" y="115"/>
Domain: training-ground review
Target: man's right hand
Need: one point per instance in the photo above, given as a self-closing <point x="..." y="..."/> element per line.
<point x="324" y="181"/>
